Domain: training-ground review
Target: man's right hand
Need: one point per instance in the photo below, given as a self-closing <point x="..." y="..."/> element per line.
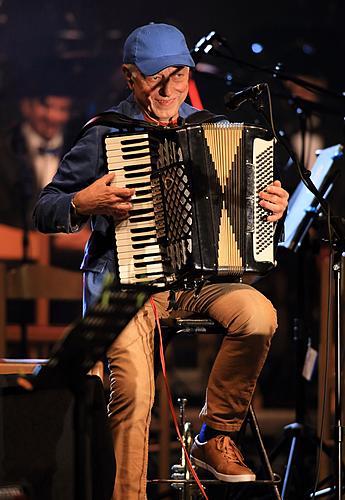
<point x="104" y="199"/>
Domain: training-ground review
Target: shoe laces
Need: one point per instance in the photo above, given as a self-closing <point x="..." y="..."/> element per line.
<point x="229" y="450"/>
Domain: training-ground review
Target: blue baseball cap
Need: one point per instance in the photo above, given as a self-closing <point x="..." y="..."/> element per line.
<point x="154" y="47"/>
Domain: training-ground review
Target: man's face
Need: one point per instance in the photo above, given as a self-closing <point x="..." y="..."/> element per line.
<point x="47" y="116"/>
<point x="160" y="95"/>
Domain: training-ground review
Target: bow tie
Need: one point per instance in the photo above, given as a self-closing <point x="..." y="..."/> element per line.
<point x="44" y="150"/>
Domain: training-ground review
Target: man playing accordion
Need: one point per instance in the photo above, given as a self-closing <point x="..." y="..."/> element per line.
<point x="156" y="67"/>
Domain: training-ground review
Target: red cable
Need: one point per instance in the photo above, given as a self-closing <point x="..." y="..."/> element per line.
<point x="171" y="405"/>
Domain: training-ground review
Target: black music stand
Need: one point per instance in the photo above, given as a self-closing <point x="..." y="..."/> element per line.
<point x="85" y="342"/>
<point x="303" y="206"/>
<point x="302" y="211"/>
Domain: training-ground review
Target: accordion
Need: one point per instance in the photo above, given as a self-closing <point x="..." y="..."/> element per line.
<point x="196" y="212"/>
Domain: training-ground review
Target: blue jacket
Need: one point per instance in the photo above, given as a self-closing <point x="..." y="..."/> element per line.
<point x="81" y="166"/>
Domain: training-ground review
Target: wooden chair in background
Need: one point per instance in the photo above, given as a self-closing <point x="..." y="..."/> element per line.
<point x="39" y="283"/>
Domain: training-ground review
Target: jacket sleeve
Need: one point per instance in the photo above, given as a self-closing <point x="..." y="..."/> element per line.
<point x="81" y="166"/>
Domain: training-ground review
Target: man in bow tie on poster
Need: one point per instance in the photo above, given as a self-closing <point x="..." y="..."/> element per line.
<point x="156" y="67"/>
<point x="32" y="149"/>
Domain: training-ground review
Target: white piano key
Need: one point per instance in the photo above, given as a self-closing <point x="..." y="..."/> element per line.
<point x="121" y="180"/>
<point x="150" y="250"/>
<point x="128" y="224"/>
<point x="123" y="139"/>
<point x="128" y="268"/>
<point x="157" y="280"/>
<point x="125" y="259"/>
<point x="142" y="206"/>
<point x="113" y="163"/>
<point x="129" y="183"/>
<point x="140" y="181"/>
<point x="148" y="279"/>
<point x="129" y="272"/>
<point x="122" y="155"/>
<point x="134" y="174"/>
<point x="152" y="247"/>
<point x="134" y="225"/>
<point x="149" y="235"/>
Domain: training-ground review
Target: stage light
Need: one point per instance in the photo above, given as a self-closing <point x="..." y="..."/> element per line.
<point x="257" y="48"/>
<point x="228" y="78"/>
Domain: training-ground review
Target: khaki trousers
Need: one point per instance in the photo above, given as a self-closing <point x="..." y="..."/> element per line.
<point x="250" y="321"/>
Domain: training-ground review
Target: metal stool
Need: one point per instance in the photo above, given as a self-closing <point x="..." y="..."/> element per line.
<point x="181" y="478"/>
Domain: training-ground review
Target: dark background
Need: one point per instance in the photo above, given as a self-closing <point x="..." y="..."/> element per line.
<point x="75" y="46"/>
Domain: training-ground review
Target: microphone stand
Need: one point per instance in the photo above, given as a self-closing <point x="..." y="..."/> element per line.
<point x="297" y="433"/>
<point x="337" y="224"/>
<point x="303" y="129"/>
<point x="212" y="44"/>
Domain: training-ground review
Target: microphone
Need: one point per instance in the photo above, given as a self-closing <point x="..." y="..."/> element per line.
<point x="233" y="100"/>
<point x="207" y="44"/>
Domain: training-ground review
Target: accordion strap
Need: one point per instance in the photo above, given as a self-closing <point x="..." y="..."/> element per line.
<point x="113" y="119"/>
<point x="203" y="116"/>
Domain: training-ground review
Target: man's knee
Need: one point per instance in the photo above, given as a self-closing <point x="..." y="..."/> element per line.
<point x="260" y="320"/>
<point x="255" y="314"/>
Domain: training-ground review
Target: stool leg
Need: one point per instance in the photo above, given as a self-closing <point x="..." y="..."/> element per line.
<point x="262" y="450"/>
<point x="265" y="463"/>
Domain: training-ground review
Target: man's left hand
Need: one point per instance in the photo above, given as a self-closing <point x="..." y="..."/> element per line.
<point x="275" y="200"/>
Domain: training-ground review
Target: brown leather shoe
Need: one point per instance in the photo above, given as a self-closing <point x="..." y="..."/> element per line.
<point x="222" y="458"/>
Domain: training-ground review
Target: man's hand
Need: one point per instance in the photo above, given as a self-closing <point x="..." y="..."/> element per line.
<point x="103" y="199"/>
<point x="275" y="200"/>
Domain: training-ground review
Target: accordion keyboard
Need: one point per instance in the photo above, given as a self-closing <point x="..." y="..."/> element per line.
<point x="138" y="253"/>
